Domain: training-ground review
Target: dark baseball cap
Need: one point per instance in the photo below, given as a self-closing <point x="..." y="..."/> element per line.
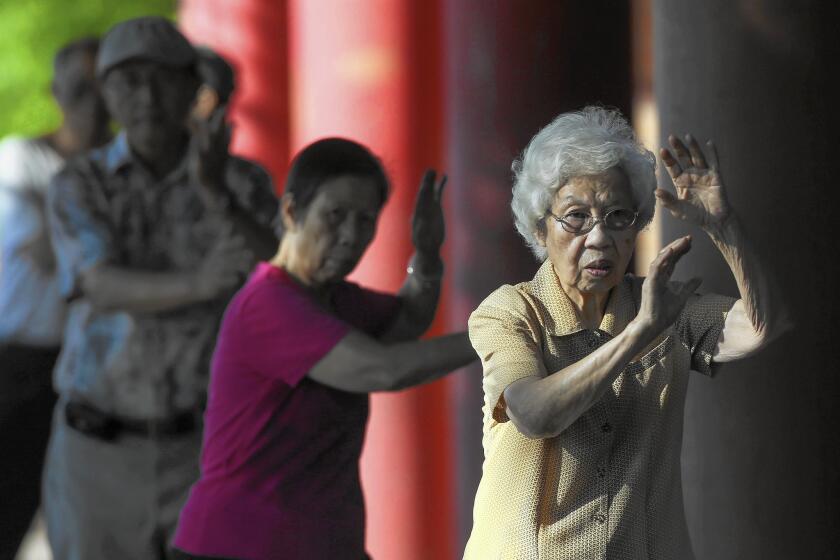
<point x="147" y="38"/>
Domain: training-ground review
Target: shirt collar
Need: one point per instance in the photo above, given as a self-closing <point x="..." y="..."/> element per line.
<point x="561" y="318"/>
<point x="118" y="155"/>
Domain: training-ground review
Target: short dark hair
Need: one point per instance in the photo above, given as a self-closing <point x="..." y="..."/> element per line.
<point x="216" y="72"/>
<point x="327" y="159"/>
<point x="62" y="67"/>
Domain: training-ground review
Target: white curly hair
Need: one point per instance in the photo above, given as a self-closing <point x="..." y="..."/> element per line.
<point x="577" y="143"/>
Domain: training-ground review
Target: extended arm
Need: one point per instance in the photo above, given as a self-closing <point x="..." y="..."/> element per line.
<point x="361" y="364"/>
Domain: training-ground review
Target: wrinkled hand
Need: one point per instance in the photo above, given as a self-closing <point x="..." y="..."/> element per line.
<point x="701" y="198"/>
<point x="661" y="304"/>
<point x="208" y="156"/>
<point x="224" y="266"/>
<point x="427" y="228"/>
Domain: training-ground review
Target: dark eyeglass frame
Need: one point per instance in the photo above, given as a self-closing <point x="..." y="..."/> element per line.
<point x="591" y="222"/>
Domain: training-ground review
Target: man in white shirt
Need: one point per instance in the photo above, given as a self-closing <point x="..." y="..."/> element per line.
<point x="31" y="307"/>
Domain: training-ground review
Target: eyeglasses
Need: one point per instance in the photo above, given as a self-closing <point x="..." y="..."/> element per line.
<point x="579" y="223"/>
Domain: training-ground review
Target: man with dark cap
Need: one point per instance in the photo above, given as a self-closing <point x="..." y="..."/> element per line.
<point x="31" y="307"/>
<point x="151" y="240"/>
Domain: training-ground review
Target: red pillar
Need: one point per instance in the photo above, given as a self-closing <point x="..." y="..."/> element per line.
<point x="358" y="70"/>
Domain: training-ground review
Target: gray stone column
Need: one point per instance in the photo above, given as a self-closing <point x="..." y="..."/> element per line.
<point x="761" y="461"/>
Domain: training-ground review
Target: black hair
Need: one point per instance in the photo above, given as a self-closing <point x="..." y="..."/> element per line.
<point x="324" y="160"/>
<point x="63" y="70"/>
<point x="216" y="72"/>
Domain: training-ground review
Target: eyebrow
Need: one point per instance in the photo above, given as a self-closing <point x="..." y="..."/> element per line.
<point x="570" y="200"/>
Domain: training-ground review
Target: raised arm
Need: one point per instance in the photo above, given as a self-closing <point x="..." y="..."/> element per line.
<point x="759" y="315"/>
<point x="208" y="157"/>
<point x="361" y="364"/>
<point x="420" y="292"/>
<point x="542" y="406"/>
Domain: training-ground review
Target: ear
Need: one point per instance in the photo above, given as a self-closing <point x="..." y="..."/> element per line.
<point x="288" y="211"/>
<point x="206" y="100"/>
<point x="541" y="233"/>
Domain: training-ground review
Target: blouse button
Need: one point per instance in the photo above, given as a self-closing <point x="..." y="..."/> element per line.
<point x="606" y="428"/>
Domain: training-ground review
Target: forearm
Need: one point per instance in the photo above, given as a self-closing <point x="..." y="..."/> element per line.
<point x="119" y="289"/>
<point x="760" y="294"/>
<point x="545" y="407"/>
<point x="426" y="360"/>
<point x="419" y="296"/>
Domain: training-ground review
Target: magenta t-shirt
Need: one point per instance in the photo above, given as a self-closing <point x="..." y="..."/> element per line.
<point x="280" y="462"/>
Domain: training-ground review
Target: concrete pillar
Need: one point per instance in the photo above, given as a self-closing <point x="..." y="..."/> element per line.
<point x="760" y="451"/>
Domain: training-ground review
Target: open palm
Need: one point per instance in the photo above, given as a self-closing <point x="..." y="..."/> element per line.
<point x="701" y="198"/>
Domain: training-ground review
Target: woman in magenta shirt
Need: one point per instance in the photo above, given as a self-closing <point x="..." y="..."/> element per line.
<point x="298" y="352"/>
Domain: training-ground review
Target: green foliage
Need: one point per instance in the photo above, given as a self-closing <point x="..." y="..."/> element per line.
<point x="31" y="31"/>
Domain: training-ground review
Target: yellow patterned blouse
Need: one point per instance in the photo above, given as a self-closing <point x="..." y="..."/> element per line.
<point x="609" y="486"/>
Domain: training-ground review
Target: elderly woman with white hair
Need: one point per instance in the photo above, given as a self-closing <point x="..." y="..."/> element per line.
<point x="586" y="367"/>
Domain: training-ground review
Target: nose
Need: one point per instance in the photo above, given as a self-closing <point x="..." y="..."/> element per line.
<point x="598" y="237"/>
<point x="147" y="92"/>
<point x="350" y="231"/>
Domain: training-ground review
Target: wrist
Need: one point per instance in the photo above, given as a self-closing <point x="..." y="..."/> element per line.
<point x="725" y="229"/>
<point x="426" y="266"/>
<point x="642" y="331"/>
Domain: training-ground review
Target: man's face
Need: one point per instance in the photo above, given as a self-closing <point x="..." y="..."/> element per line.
<point x="151" y="101"/>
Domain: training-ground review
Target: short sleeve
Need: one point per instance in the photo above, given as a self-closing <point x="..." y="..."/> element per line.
<point x="253" y="190"/>
<point x="285" y="333"/>
<point x="369" y="311"/>
<point x="507" y="337"/>
<point x="699" y="327"/>
<point x="81" y="234"/>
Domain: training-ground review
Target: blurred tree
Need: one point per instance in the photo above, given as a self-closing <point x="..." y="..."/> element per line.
<point x="31" y="31"/>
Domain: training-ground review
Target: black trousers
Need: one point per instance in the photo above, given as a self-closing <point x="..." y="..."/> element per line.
<point x="26" y="405"/>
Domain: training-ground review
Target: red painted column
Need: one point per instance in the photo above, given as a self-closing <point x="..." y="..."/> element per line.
<point x="252" y="35"/>
<point x="358" y="69"/>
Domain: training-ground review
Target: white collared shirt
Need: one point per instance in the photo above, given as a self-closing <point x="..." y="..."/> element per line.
<point x="31" y="308"/>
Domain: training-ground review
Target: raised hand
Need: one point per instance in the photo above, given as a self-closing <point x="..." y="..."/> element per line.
<point x="701" y="197"/>
<point x="661" y="303"/>
<point x="208" y="156"/>
<point x="427" y="227"/>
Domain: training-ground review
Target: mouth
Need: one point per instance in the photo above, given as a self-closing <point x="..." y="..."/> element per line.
<point x="599" y="268"/>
